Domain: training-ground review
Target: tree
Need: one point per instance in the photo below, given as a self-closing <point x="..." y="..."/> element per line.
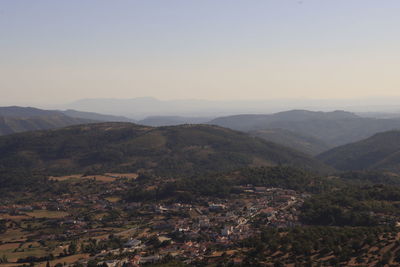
<point x="3" y="259"/>
<point x="3" y="226"/>
<point x="73" y="248"/>
<point x="92" y="263"/>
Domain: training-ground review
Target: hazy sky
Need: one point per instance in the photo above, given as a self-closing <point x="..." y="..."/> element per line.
<point x="60" y="51"/>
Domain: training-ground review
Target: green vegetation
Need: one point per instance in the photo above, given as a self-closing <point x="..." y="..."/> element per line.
<point x="371" y="177"/>
<point x="93" y="246"/>
<point x="15" y="180"/>
<point x="3" y="226"/>
<point x="379" y="152"/>
<point x="286" y="177"/>
<point x="354" y="206"/>
<point x="165" y="151"/>
<point x="328" y="246"/>
<point x="222" y="185"/>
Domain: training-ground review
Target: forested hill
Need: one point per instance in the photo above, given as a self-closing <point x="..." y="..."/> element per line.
<point x="175" y="150"/>
<point x="379" y="152"/>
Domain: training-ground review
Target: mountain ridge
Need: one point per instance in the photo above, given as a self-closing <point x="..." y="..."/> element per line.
<point x="173" y="150"/>
<point x="333" y="128"/>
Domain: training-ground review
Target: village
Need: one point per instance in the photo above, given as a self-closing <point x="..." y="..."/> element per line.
<point x="99" y="228"/>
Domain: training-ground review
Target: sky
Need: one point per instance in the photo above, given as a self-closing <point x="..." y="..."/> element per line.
<point x="62" y="51"/>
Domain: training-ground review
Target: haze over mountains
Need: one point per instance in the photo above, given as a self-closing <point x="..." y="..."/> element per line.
<point x="332" y="128"/>
<point x="141" y="107"/>
<point x="306" y="131"/>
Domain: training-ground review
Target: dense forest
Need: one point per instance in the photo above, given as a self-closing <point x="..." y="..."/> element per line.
<point x="165" y="151"/>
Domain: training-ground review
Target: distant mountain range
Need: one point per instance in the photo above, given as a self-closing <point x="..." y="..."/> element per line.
<point x="330" y="128"/>
<point x="141" y="107"/>
<point x="267" y="140"/>
<point x="379" y="152"/>
<point x="307" y="131"/>
<point x="174" y="150"/>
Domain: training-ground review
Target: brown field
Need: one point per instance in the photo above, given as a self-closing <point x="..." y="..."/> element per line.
<point x="127" y="233"/>
<point x="123" y="175"/>
<point x="257" y="162"/>
<point x="107" y="177"/>
<point x="14" y="217"/>
<point x="14" y="256"/>
<point x="47" y="214"/>
<point x="101" y="178"/>
<point x="8" y="246"/>
<point x="67" y="177"/>
<point x="13" y="235"/>
<point x="113" y="199"/>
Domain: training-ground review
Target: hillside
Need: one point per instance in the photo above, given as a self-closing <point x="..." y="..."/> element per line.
<point x="16" y="119"/>
<point x="10" y="125"/>
<point x="306" y="144"/>
<point x="333" y="128"/>
<point x="175" y="150"/>
<point x="379" y="152"/>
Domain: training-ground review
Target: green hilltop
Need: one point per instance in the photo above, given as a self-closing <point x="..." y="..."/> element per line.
<point x="167" y="151"/>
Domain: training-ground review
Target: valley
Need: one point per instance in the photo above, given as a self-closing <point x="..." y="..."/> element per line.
<point x="119" y="193"/>
<point x="199" y="133"/>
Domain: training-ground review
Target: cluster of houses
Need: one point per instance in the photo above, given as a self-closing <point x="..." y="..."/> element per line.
<point x="192" y="233"/>
<point x="201" y="233"/>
